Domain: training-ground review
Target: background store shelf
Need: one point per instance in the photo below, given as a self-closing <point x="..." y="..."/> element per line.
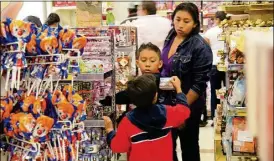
<point x="88" y="77"/>
<point x="94" y="123"/>
<point x="63" y="8"/>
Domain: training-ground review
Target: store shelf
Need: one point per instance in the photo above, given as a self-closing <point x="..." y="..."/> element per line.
<point x="94" y="123"/>
<point x="88" y="77"/>
<point x="124" y="49"/>
<point x="217" y="137"/>
<point x="234" y="8"/>
<point x="235" y="67"/>
<point x="54" y="9"/>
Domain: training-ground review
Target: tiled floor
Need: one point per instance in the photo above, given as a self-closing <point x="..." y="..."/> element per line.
<point x="206" y="144"/>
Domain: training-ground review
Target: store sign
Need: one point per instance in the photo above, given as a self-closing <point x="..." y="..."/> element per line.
<point x="89" y="13"/>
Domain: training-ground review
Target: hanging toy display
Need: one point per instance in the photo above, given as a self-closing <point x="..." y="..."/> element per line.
<point x="42" y="119"/>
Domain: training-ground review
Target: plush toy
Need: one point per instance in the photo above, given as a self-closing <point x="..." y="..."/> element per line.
<point x="21" y="30"/>
<point x="6" y="108"/>
<point x="58" y="97"/>
<point x="39" y="107"/>
<point x="42" y="128"/>
<point x="65" y="111"/>
<point x="48" y="44"/>
<point x="31" y="48"/>
<point x="51" y="30"/>
<point x="28" y="103"/>
<point x="66" y="36"/>
<point x="20" y="125"/>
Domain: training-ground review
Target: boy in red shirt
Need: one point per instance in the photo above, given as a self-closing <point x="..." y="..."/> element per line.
<point x="145" y="132"/>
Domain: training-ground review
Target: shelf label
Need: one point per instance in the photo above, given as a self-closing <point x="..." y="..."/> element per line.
<point x="245" y="136"/>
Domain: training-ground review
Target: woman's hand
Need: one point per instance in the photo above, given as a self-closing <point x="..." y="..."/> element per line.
<point x="176" y="84"/>
<point x="108" y="124"/>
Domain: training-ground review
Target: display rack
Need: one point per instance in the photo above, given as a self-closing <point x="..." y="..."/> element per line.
<point x="231" y="113"/>
<point x="86" y="76"/>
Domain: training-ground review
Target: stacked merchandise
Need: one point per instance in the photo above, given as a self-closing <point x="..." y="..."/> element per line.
<point x="41" y="122"/>
<point x="231" y="121"/>
<point x="46" y="71"/>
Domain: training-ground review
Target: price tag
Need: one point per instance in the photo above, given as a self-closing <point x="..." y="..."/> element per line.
<point x="245" y="136"/>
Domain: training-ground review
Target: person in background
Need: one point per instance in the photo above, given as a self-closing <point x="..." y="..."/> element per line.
<point x="34" y="19"/>
<point x="145" y="132"/>
<point x="150" y="27"/>
<point x="132" y="13"/>
<point x="53" y="20"/>
<point x="216" y="77"/>
<point x="132" y="10"/>
<point x="187" y="55"/>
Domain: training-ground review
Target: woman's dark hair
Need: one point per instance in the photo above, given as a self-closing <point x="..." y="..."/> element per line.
<point x="150" y="7"/>
<point x="52" y="19"/>
<point x="221" y="15"/>
<point x="142" y="90"/>
<point x="149" y="46"/>
<point x="194" y="12"/>
<point x="33" y="19"/>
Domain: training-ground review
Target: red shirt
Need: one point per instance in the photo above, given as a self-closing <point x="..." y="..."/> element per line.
<point x="140" y="146"/>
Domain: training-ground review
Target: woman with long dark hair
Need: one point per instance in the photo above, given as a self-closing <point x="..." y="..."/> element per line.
<point x="187" y="55"/>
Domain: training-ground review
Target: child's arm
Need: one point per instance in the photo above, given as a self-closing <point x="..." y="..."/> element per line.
<point x="179" y="113"/>
<point x="119" y="141"/>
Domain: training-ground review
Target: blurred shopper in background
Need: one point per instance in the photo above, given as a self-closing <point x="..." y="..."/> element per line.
<point x="216" y="77"/>
<point x="132" y="13"/>
<point x="150" y="27"/>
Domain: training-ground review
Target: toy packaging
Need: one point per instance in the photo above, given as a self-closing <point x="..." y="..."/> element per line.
<point x="242" y="138"/>
<point x="165" y="84"/>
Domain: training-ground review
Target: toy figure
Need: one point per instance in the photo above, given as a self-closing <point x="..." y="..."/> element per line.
<point x="58" y="97"/>
<point x="110" y="17"/>
<point x="42" y="128"/>
<point x="101" y="68"/>
<point x="20" y="125"/>
<point x="31" y="45"/>
<point x="65" y="110"/>
<point x="6" y="108"/>
<point x="21" y="30"/>
<point x="49" y="44"/>
<point x="39" y="107"/>
<point x="28" y="103"/>
<point x="66" y="37"/>
<point x="79" y="42"/>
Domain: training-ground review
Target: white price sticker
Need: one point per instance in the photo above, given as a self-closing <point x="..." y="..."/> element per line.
<point x="245" y="136"/>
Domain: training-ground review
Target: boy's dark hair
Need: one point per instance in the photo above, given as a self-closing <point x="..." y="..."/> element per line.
<point x="192" y="9"/>
<point x="150" y="7"/>
<point x="221" y="15"/>
<point x="52" y="19"/>
<point x="149" y="46"/>
<point x="142" y="90"/>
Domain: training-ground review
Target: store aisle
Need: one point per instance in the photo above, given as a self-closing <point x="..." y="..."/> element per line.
<point x="206" y="144"/>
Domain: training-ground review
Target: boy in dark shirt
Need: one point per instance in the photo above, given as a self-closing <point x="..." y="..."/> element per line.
<point x="149" y="61"/>
<point x="145" y="132"/>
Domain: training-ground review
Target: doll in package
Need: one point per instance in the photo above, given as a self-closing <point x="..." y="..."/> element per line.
<point x="238" y="92"/>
